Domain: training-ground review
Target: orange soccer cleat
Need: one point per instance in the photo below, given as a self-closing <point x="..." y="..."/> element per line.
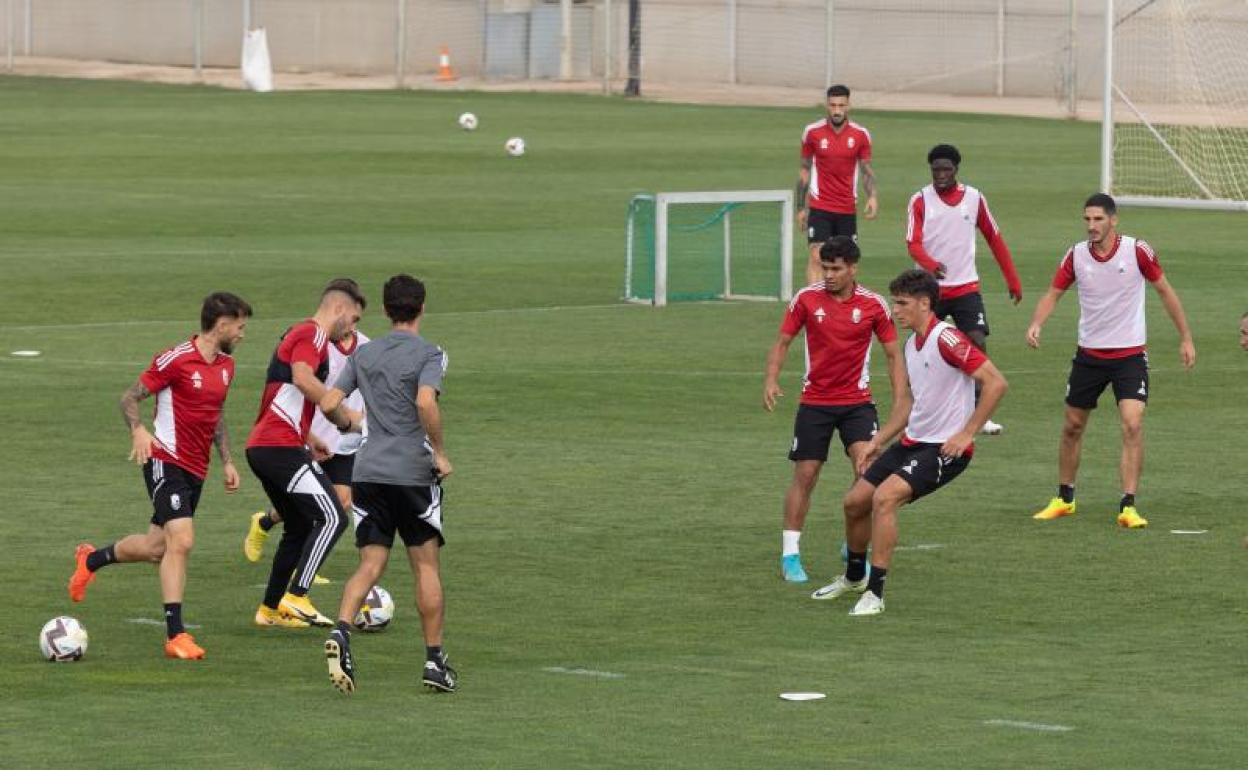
<point x="183" y="647"/>
<point x="82" y="576"/>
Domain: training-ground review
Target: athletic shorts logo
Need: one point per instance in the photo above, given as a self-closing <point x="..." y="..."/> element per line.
<point x="794" y="449"/>
<point x="981" y="319"/>
<point x="1143" y="391"/>
<point x="910" y="466"/>
<point x="175" y="501"/>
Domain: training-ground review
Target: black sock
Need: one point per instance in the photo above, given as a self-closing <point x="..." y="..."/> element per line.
<point x="1127" y="499"/>
<point x="266" y="521"/>
<point x="173" y="619"/>
<point x="344" y="627"/>
<point x="101" y="557"/>
<point x="297" y="591"/>
<point x="855" y="566"/>
<point x="875" y="583"/>
<point x="1066" y="492"/>
<point x="434" y="655"/>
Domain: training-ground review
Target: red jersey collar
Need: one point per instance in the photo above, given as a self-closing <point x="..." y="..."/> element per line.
<point x="953" y="196"/>
<point x="1109" y="254"/>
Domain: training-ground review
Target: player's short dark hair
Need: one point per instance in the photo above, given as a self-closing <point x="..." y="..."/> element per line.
<point x="349" y="287"/>
<point x="945" y="151"/>
<point x="403" y="297"/>
<point x="1103" y="201"/>
<point x="840" y="247"/>
<point x="838" y="90"/>
<point x="915" y="283"/>
<point x="222" y="304"/>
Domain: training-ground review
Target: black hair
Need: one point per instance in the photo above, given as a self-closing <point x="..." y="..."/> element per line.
<point x="838" y="90"/>
<point x="403" y="297"/>
<point x="349" y="287"/>
<point x="916" y="283"/>
<point x="222" y="304"/>
<point x="1104" y="201"/>
<point x="946" y="151"/>
<point x="840" y="247"/>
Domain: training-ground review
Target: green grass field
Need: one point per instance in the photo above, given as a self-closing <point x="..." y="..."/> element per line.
<point x="616" y="502"/>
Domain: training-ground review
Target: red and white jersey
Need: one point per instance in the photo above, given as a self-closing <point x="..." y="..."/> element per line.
<point x="834" y="169"/>
<point x="1111" y="294"/>
<point x="939" y="364"/>
<point x="285" y="415"/>
<point x="941" y="228"/>
<point x="322" y="428"/>
<point x="190" y="392"/>
<point x="838" y="342"/>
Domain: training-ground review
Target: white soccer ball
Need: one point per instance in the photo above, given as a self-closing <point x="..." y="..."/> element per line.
<point x="63" y="639"/>
<point x="468" y="121"/>
<point x="376" y="612"/>
<point x="515" y="146"/>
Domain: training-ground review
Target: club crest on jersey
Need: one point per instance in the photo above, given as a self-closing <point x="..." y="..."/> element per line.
<point x="197" y="380"/>
<point x="856" y="315"/>
<point x="819" y="315"/>
<point x="850" y="143"/>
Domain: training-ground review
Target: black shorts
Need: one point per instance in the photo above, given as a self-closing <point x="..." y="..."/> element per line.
<point x="415" y="512"/>
<point x="813" y="427"/>
<point x="1089" y="376"/>
<point x="822" y="225"/>
<point x="296" y="486"/>
<point x="967" y="311"/>
<point x="919" y="465"/>
<point x="338" y="469"/>
<point x="173" y="491"/>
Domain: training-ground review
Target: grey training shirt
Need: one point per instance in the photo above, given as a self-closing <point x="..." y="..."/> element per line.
<point x="388" y="372"/>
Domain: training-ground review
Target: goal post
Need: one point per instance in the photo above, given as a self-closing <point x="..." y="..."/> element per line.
<point x="689" y="246"/>
<point x="1174" y="125"/>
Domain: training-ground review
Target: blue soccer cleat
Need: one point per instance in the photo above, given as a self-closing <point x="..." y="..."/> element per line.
<point x="791" y="568"/>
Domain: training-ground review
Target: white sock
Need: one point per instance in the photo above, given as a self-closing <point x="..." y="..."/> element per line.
<point x="789" y="540"/>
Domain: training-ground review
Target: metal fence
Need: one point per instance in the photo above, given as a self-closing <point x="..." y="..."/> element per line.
<point x="1010" y="48"/>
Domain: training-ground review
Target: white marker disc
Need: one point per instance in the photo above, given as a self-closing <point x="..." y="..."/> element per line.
<point x="802" y="695"/>
<point x="27" y="353"/>
<point x="1188" y="531"/>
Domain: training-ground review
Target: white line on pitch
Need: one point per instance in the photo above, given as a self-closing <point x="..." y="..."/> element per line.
<point x="920" y="547"/>
<point x="583" y="672"/>
<point x="1037" y="726"/>
<point x="150" y="622"/>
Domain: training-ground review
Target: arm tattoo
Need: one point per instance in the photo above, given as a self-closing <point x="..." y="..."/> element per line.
<point x="221" y="438"/>
<point x="130" y="404"/>
<point x="799" y="193"/>
<point x="868" y="179"/>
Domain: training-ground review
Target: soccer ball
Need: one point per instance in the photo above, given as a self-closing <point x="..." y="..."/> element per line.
<point x="515" y="146"/>
<point x="376" y="612"/>
<point x="63" y="639"/>
<point x="468" y="121"/>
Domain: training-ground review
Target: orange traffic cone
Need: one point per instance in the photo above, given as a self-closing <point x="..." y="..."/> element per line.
<point x="444" y="65"/>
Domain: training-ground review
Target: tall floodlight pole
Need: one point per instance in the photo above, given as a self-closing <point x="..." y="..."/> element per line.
<point x="197" y="33"/>
<point x="1107" y="103"/>
<point x="400" y="42"/>
<point x="634" y="49"/>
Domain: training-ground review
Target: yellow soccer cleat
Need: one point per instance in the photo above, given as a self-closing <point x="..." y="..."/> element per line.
<point x="268" y="617"/>
<point x="301" y="607"/>
<point x="253" y="544"/>
<point x="1131" y="519"/>
<point x="1056" y="509"/>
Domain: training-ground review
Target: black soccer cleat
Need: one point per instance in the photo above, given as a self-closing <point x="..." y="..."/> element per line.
<point x="440" y="678"/>
<point x="341" y="664"/>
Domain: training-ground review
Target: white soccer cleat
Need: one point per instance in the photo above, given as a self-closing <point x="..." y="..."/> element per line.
<point x="992" y="428"/>
<point x="839" y="587"/>
<point x="869" y="604"/>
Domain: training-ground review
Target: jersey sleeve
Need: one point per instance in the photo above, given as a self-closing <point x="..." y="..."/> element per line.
<point x="156" y="378"/>
<point x="1065" y="276"/>
<point x="346" y="381"/>
<point x="302" y="347"/>
<point x="958" y="351"/>
<point x="1146" y="258"/>
<point x="864" y="147"/>
<point x="808" y="144"/>
<point x="794" y="318"/>
<point x="1000" y="252"/>
<point x="433" y="370"/>
<point x="883" y="327"/>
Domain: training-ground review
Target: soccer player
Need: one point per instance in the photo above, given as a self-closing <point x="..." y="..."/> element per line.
<point x="839" y="317"/>
<point x="940" y="236"/>
<point x="397" y="480"/>
<point x="283" y="454"/>
<point x="1243" y="331"/>
<point x="190" y="382"/>
<point x="834" y="151"/>
<point x="341" y="448"/>
<point x="939" y="416"/>
<point x="1111" y="270"/>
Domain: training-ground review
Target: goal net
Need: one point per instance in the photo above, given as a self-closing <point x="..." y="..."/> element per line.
<point x="1176" y="103"/>
<point x="709" y="245"/>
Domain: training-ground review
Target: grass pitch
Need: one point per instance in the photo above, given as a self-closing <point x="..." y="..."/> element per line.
<point x="616" y="503"/>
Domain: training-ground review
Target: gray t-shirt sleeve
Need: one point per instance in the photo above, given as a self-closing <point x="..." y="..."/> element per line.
<point x="346" y="378"/>
<point x="432" y="370"/>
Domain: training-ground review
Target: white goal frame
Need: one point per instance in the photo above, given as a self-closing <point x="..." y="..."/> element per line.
<point x="664" y="200"/>
<point x="1110" y="90"/>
